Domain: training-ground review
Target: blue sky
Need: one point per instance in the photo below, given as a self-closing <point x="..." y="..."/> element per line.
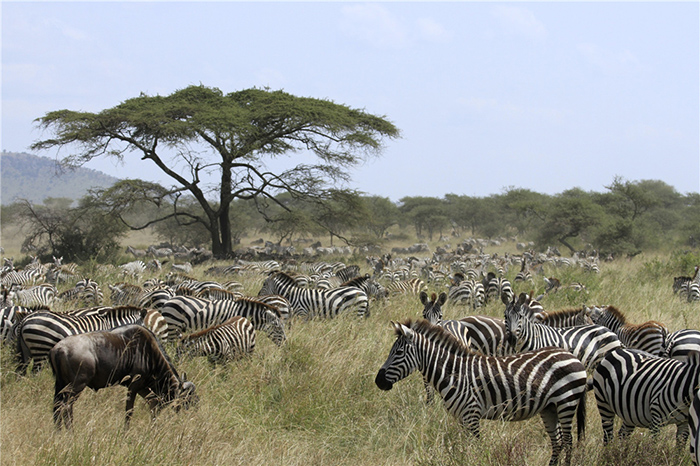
<point x="545" y="96"/>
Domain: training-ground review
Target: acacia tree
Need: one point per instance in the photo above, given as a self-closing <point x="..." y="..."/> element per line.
<point x="199" y="130"/>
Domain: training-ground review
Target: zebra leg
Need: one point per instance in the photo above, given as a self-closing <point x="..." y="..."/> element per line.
<point x="558" y="435"/>
<point x="627" y="429"/>
<point x="607" y="417"/>
<point x="682" y="433"/>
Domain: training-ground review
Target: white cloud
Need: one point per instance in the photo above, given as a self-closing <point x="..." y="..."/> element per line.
<point x="520" y="21"/>
<point x="374" y="24"/>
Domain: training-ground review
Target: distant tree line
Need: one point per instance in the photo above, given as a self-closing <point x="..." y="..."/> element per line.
<point x="626" y="219"/>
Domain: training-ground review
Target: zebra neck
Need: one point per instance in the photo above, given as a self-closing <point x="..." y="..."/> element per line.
<point x="441" y="368"/>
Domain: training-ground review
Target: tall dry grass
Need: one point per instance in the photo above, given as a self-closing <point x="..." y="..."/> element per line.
<point x="314" y="401"/>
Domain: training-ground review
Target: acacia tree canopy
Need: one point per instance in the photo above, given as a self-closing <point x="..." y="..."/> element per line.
<point x="199" y="130"/>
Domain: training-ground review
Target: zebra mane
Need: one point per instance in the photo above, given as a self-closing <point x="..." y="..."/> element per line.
<point x="198" y="334"/>
<point x="356" y="281"/>
<point x="439" y="336"/>
<point x="546" y="316"/>
<point x="617" y="314"/>
<point x="121" y="310"/>
<point x="284" y="277"/>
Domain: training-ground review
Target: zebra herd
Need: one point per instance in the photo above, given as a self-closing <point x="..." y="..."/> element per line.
<point x="536" y="362"/>
<point x="531" y="362"/>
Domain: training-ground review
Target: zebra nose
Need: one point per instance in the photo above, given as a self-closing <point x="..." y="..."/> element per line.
<point x="381" y="380"/>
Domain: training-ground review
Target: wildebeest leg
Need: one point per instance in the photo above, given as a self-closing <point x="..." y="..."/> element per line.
<point x="130" y="397"/>
<point x="63" y="400"/>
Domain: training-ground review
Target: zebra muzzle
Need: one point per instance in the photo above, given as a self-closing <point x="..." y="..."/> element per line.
<point x="382" y="382"/>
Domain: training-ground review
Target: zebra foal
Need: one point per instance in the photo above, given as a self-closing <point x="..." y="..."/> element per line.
<point x="230" y="340"/>
<point x="476" y="387"/>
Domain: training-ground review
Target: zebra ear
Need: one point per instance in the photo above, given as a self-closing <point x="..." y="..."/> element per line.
<point x="423" y="297"/>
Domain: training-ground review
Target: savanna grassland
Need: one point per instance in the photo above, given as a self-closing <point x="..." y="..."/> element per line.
<point x="313" y="401"/>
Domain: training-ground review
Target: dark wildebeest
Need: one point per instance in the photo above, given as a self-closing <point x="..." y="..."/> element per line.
<point x="130" y="356"/>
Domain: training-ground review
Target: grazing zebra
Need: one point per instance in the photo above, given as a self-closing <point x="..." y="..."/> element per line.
<point x="483" y="334"/>
<point x="188" y="314"/>
<point x="476" y="387"/>
<point x="432" y="309"/>
<point x="371" y="287"/>
<point x="26" y="277"/>
<point x="155" y="298"/>
<point x="214" y="294"/>
<point x="230" y="340"/>
<point x="279" y="303"/>
<point x="499" y="287"/>
<point x="694" y="424"/>
<point x="10" y="317"/>
<point x="466" y="291"/>
<point x="412" y="286"/>
<point x="40" y="331"/>
<point x="41" y="296"/>
<point x="680" y="343"/>
<point x="589" y="343"/>
<point x="637" y="387"/>
<point x="316" y="303"/>
<point x="133" y="269"/>
<point x="125" y="294"/>
<point x="86" y="291"/>
<point x="649" y="336"/>
<point x="524" y="275"/>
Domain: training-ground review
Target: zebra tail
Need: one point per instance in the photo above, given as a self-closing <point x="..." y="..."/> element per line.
<point x="22" y="354"/>
<point x="581" y="417"/>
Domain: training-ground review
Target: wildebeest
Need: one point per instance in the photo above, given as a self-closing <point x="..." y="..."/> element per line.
<point x="130" y="356"/>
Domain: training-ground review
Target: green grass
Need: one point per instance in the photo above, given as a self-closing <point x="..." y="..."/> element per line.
<point x="313" y="401"/>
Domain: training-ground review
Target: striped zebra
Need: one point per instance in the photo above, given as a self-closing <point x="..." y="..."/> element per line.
<point x="26" y="277"/>
<point x="636" y="386"/>
<point x="40" y="331"/>
<point x="125" y="294"/>
<point x="188" y="314"/>
<point x="316" y="303"/>
<point x="589" y="343"/>
<point x="279" y="303"/>
<point x="483" y="334"/>
<point x="133" y="269"/>
<point x="694" y="424"/>
<point x="475" y="387"/>
<point x="156" y="297"/>
<point x="152" y="319"/>
<point x="10" y="317"/>
<point x="649" y="336"/>
<point x="371" y="287"/>
<point x="524" y="275"/>
<point x="680" y="343"/>
<point x="499" y="287"/>
<point x="410" y="286"/>
<point x="348" y="273"/>
<point x="86" y="292"/>
<point x="214" y="294"/>
<point x="222" y="342"/>
<point x="466" y="291"/>
<point x="40" y="296"/>
<point x="432" y="309"/>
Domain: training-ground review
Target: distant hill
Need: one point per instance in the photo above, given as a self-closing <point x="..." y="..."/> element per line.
<point x="26" y="176"/>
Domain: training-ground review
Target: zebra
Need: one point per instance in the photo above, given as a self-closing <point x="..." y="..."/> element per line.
<point x="499" y="287"/>
<point x="155" y="297"/>
<point x="125" y="294"/>
<point x="371" y="287"/>
<point x="152" y="319"/>
<point x="636" y="386"/>
<point x="316" y="303"/>
<point x="41" y="330"/>
<point x="26" y="277"/>
<point x="228" y="340"/>
<point x="133" y="269"/>
<point x="524" y="275"/>
<point x="10" y="317"/>
<point x="348" y="273"/>
<point x="680" y="343"/>
<point x="40" y="296"/>
<point x="466" y="290"/>
<point x="649" y="336"/>
<point x="483" y="334"/>
<point x="693" y="424"/>
<point x="589" y="343"/>
<point x="86" y="291"/>
<point x="476" y="387"/>
<point x="279" y="303"/>
<point x="187" y="314"/>
<point x="412" y="286"/>
<point x="432" y="310"/>
<point x="214" y="294"/>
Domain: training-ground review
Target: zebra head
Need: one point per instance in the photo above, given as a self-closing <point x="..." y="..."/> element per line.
<point x="515" y="316"/>
<point x="402" y="360"/>
<point x="432" y="310"/>
<point x="595" y="313"/>
<point x="274" y="327"/>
